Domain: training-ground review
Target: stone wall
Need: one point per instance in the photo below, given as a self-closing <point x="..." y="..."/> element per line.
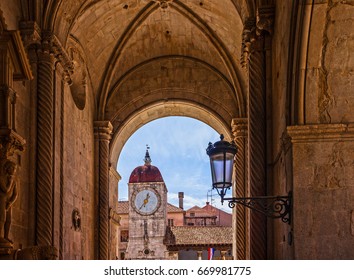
<point x="78" y="176"/>
<point x="323" y="191"/>
<point x="323" y="137"/>
<point x="330" y="64"/>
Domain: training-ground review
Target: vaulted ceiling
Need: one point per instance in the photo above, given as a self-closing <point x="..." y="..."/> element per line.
<point x="139" y="53"/>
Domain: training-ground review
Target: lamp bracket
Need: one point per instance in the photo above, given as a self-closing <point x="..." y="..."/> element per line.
<point x="275" y="207"/>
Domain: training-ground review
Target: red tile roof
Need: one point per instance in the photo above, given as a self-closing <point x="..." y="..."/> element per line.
<point x="199" y="235"/>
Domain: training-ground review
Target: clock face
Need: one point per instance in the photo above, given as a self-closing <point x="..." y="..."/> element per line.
<point x="146" y="202"/>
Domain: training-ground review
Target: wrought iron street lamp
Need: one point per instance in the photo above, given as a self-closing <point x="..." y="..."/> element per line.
<point x="222" y="154"/>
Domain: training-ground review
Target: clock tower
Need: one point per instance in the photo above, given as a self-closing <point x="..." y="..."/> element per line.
<point x="147" y="212"/>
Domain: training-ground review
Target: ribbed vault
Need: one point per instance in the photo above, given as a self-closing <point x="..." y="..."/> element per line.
<point x="141" y="54"/>
<point x="146" y="38"/>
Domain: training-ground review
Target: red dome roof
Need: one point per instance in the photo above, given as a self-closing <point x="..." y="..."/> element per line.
<point x="145" y="173"/>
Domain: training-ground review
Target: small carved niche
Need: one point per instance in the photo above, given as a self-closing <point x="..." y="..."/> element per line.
<point x="76" y="220"/>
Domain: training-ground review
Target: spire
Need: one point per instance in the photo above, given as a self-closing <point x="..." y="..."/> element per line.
<point x="147" y="156"/>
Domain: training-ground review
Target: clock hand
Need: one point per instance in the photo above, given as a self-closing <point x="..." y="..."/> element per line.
<point x="146" y="201"/>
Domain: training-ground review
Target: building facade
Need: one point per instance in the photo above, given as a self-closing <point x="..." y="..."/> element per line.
<point x="79" y="77"/>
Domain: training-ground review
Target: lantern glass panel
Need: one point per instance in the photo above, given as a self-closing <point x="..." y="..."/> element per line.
<point x="221" y="169"/>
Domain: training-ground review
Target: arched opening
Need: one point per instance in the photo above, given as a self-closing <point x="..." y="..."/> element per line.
<point x="164" y="109"/>
<point x="179" y="153"/>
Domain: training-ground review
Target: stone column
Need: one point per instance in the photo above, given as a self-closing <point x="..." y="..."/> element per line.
<point x="254" y="42"/>
<point x="257" y="147"/>
<point x="103" y="130"/>
<point x="45" y="100"/>
<point x="240" y="213"/>
<point x="200" y="255"/>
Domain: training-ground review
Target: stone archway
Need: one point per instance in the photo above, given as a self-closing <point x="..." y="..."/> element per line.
<point x="160" y="110"/>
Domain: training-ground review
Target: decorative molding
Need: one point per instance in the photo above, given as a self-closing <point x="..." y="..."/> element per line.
<point x="11" y="44"/>
<point x="321" y="133"/>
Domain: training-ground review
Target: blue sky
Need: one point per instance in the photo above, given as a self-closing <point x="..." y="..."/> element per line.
<point x="177" y="148"/>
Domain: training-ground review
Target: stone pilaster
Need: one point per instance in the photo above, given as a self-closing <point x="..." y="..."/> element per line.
<point x="240" y="214"/>
<point x="103" y="130"/>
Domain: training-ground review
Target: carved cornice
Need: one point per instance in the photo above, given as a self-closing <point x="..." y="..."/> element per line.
<point x="321" y="133"/>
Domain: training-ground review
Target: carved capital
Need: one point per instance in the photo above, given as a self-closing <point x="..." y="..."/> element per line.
<point x="46" y="43"/>
<point x="239" y="127"/>
<point x="248" y="37"/>
<point x="103" y="130"/>
<point x="254" y="29"/>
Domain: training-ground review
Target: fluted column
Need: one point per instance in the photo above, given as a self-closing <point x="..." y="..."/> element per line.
<point x="45" y="100"/>
<point x="241" y="226"/>
<point x="103" y="130"/>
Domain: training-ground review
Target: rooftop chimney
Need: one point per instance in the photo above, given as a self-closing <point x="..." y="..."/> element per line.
<point x="180" y="197"/>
